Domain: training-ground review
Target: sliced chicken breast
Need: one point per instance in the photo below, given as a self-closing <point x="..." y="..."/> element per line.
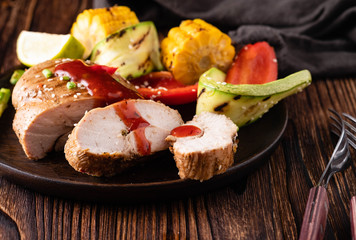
<point x="109" y="140"/>
<point x="46" y="110"/>
<point x="204" y="146"/>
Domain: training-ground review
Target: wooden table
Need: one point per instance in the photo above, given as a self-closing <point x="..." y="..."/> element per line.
<point x="268" y="204"/>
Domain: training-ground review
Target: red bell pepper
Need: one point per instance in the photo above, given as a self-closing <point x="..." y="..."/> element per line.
<point x="162" y="86"/>
<point x="159" y="86"/>
<point x="254" y="64"/>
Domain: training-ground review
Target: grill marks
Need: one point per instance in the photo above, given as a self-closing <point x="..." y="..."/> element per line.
<point x="220" y="107"/>
<point x="237" y="97"/>
<point x="121" y="33"/>
<point x="201" y="92"/>
<point x="144" y="64"/>
<point x="266" y="98"/>
<point x="137" y="44"/>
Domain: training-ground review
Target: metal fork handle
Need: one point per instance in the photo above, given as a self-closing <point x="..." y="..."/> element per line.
<point x="315" y="215"/>
<point x="353" y="217"/>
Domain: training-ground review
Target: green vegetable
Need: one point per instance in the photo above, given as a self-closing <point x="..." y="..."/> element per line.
<point x="71" y="85"/>
<point x="47" y="73"/>
<point x="134" y="51"/>
<point x="16" y="76"/>
<point x="4" y="99"/>
<point x="245" y="103"/>
<point x="65" y="78"/>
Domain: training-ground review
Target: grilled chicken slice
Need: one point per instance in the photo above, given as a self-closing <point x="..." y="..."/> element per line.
<point x="204" y="146"/>
<point x="109" y="140"/>
<point x="46" y="110"/>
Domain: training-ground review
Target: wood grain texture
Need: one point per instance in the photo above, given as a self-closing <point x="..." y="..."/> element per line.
<point x="268" y="204"/>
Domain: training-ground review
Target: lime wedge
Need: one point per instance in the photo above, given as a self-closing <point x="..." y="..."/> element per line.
<point x="36" y="47"/>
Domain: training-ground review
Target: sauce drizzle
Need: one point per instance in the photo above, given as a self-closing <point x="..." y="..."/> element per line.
<point x="186" y="131"/>
<point x="97" y="81"/>
<point x="127" y="111"/>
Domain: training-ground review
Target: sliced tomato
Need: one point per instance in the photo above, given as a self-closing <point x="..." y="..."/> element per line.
<point x="162" y="86"/>
<point x="254" y="64"/>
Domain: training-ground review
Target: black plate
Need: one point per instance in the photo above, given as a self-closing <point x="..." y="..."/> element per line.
<point x="157" y="179"/>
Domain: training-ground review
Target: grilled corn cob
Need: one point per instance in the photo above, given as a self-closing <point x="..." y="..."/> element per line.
<point x="93" y="25"/>
<point x="194" y="47"/>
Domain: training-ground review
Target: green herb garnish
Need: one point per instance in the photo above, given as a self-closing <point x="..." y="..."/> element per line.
<point x="71" y="85"/>
<point x="47" y="73"/>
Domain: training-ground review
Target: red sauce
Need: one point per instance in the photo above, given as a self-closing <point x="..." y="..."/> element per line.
<point x="97" y="81"/>
<point x="127" y="111"/>
<point x="186" y="131"/>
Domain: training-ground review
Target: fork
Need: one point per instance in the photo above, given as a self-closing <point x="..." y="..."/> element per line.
<point x="315" y="215"/>
<point x="352" y="142"/>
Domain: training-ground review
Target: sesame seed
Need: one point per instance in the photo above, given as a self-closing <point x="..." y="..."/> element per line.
<point x="163" y="88"/>
<point x="53" y="95"/>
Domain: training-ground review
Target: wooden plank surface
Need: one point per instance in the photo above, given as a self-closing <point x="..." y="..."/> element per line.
<point x="268" y="204"/>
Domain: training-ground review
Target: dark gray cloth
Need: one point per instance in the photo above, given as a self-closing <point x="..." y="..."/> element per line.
<point x="319" y="35"/>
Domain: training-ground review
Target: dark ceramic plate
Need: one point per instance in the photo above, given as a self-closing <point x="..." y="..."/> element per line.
<point x="157" y="179"/>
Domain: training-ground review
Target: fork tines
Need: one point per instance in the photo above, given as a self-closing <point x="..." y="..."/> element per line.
<point x="350" y="135"/>
<point x="350" y="129"/>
